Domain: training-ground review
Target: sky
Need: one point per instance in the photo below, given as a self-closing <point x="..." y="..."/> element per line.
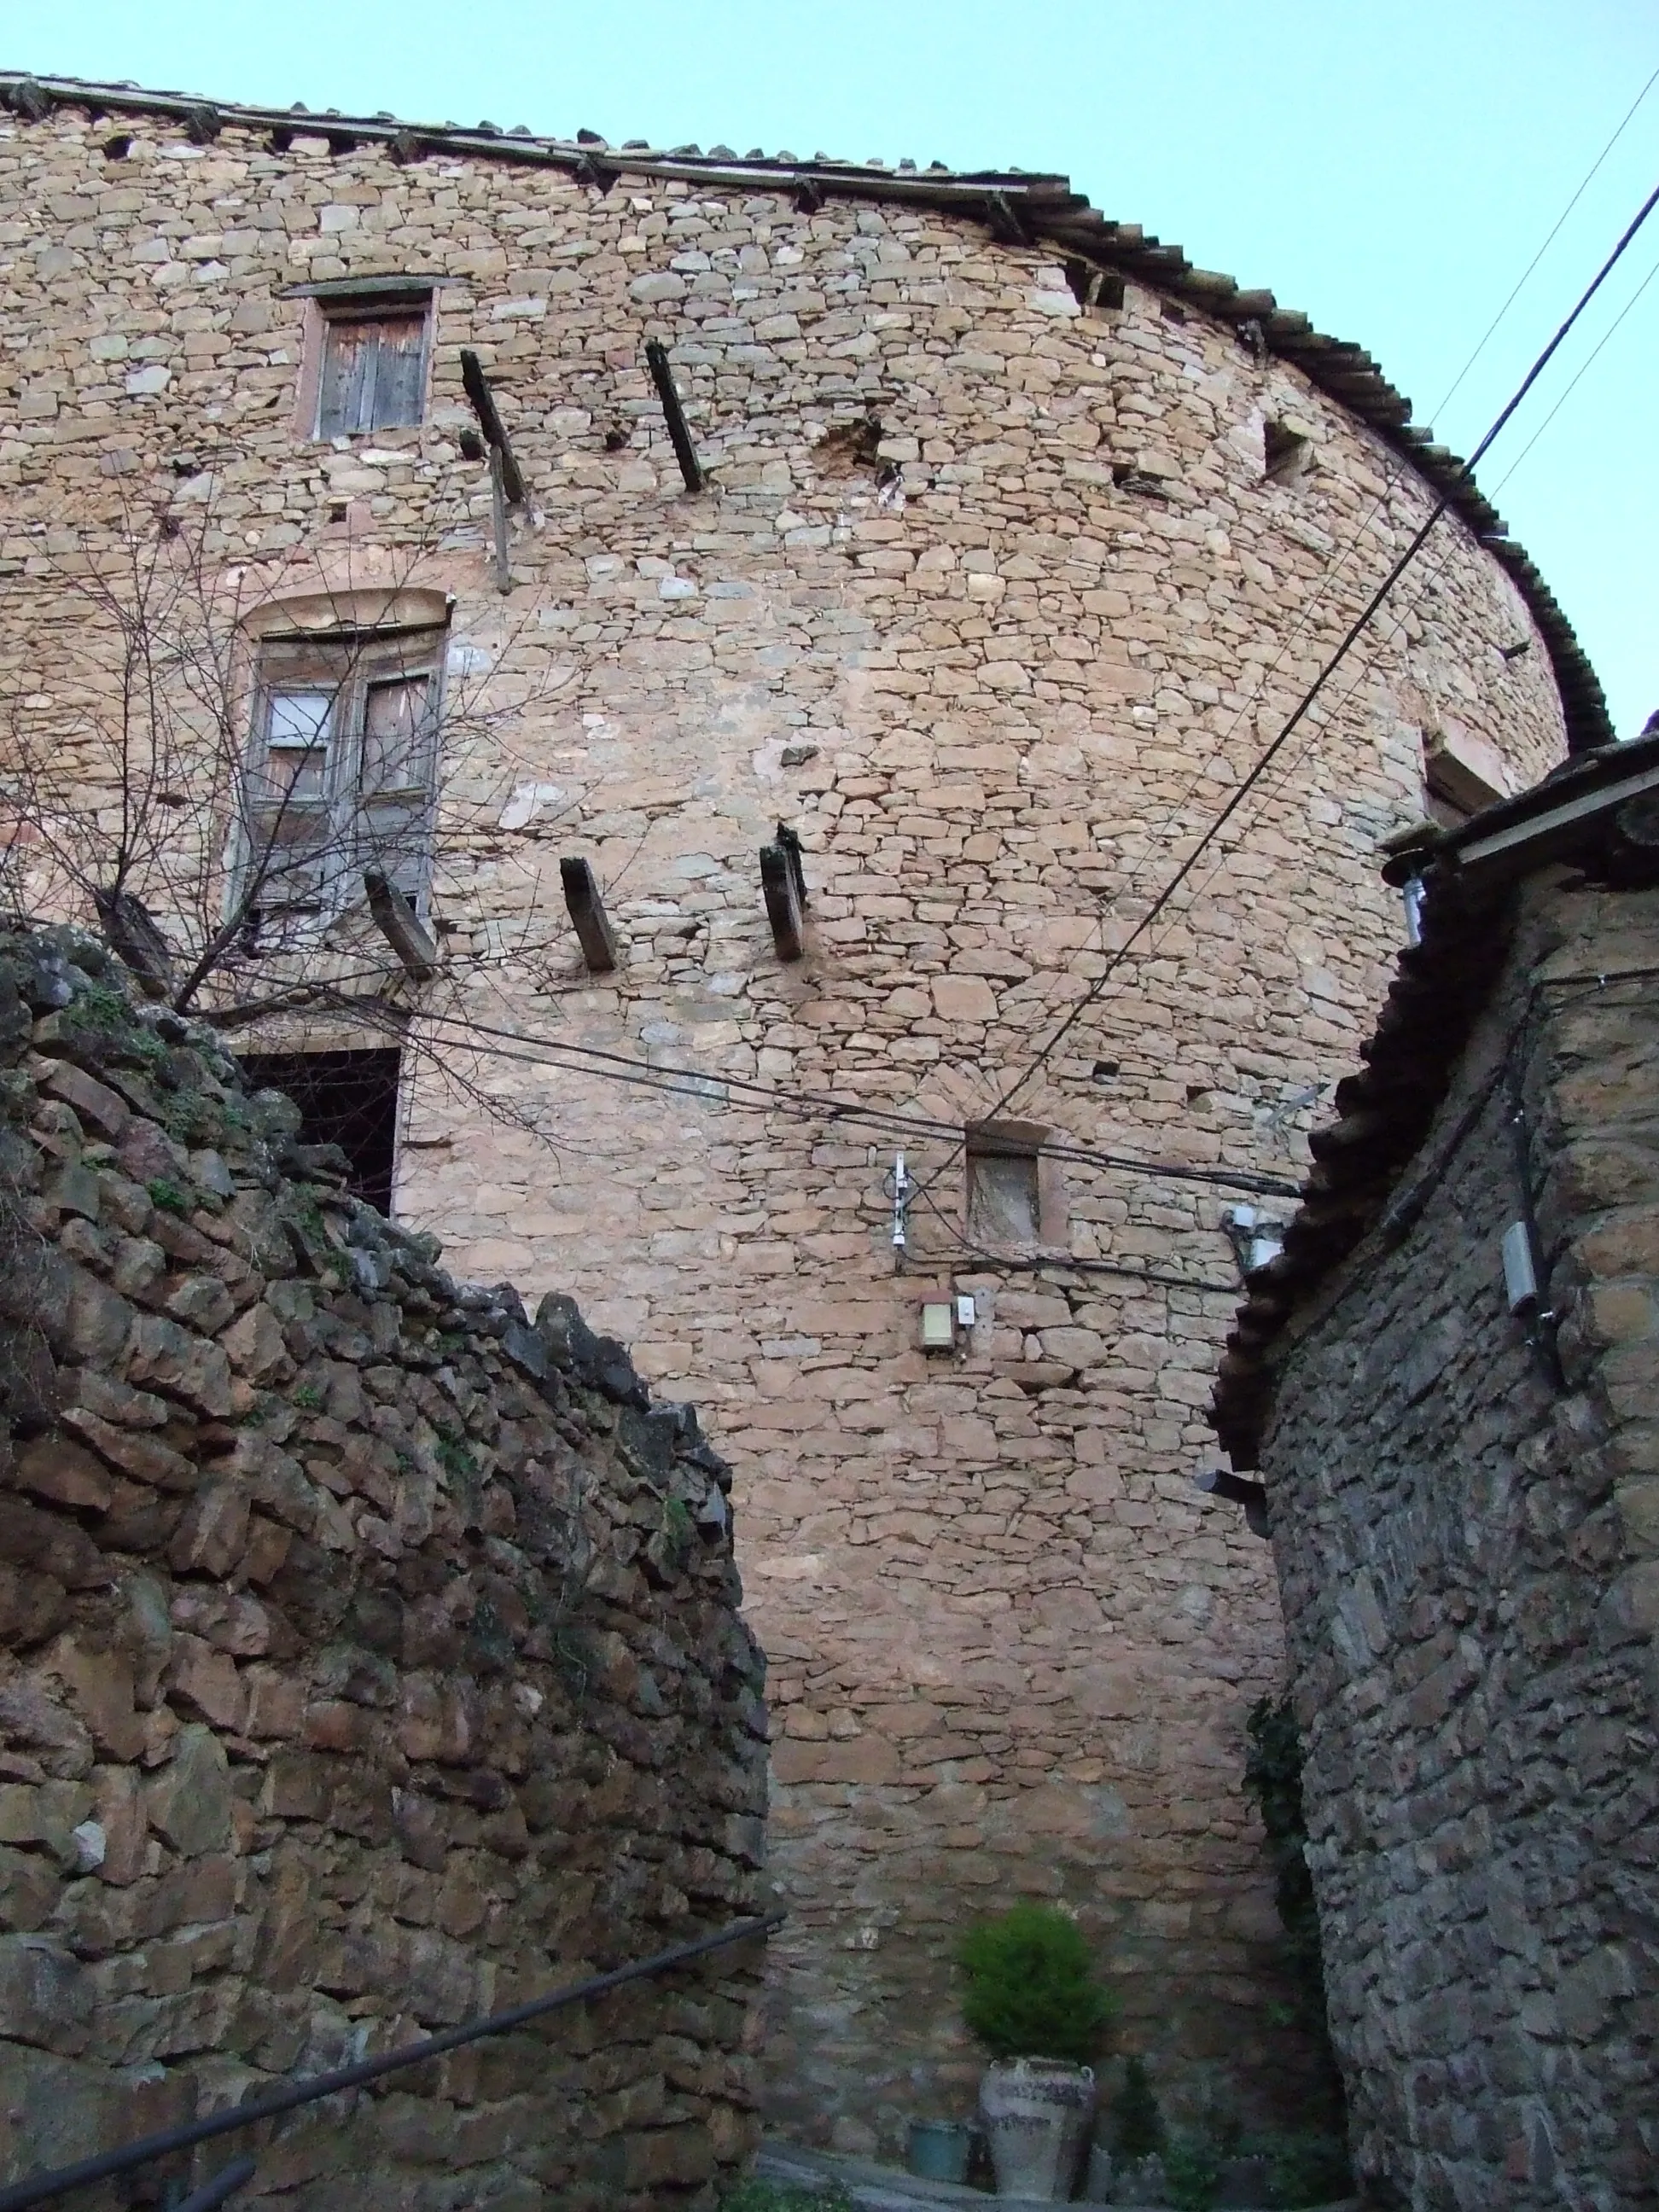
<point x="1389" y="167"/>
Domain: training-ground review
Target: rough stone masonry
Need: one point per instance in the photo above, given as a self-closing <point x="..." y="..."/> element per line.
<point x="1020" y="537"/>
<point x="1467" y="1540"/>
<point x="369" y="1660"/>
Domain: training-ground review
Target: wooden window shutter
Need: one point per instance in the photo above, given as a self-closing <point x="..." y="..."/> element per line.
<point x="373" y="372"/>
<point x="347" y="380"/>
<point x="395" y="782"/>
<point x="399" y="379"/>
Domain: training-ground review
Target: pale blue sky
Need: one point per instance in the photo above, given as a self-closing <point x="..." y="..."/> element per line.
<point x="1389" y="167"/>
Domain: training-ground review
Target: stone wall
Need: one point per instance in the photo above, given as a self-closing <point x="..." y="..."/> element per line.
<point x="997" y="661"/>
<point x="370" y="1661"/>
<point x="1468" y="1553"/>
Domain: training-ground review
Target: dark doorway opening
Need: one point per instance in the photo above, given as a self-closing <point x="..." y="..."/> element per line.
<point x="346" y="1098"/>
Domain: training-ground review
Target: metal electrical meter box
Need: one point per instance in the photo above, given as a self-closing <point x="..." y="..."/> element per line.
<point x="938" y="1332"/>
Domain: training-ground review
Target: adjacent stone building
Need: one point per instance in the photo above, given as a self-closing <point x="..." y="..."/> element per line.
<point x="1463" y="1479"/>
<point x="370" y="1661"/>
<point x="1015" y="535"/>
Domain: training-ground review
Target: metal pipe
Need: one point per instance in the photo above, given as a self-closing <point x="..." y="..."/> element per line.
<point x="225" y="2183"/>
<point x="39" y="2189"/>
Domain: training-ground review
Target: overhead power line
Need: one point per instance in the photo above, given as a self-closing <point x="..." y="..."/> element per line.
<point x="1521" y="281"/>
<point x="817" y="1105"/>
<point x="1584" y="371"/>
<point x="1349" y="639"/>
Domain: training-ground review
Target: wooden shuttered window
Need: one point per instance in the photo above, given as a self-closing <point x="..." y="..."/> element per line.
<point x="374" y="370"/>
<point x="394" y="782"/>
<point x="342" y="774"/>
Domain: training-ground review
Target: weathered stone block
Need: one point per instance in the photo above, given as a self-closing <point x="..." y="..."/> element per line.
<point x="54" y="1468"/>
<point x="210" y="1537"/>
<point x="189" y="1799"/>
<point x="171" y="1361"/>
<point x="45" y="1998"/>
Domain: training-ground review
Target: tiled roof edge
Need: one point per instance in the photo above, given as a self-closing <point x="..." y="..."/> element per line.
<point x="1019" y="207"/>
<point x="1384" y="1112"/>
<point x="1386" y="1109"/>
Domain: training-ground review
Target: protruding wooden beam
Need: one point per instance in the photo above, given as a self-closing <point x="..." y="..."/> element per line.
<point x="402" y="927"/>
<point x="581" y="896"/>
<point x="1218" y="1482"/>
<point x="1006" y="224"/>
<point x="483" y="401"/>
<point x="131" y="934"/>
<point x="499" y="532"/>
<point x="656" y="360"/>
<point x="784" y="884"/>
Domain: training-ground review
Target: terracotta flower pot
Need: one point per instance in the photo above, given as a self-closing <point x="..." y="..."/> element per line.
<point x="1036" y="2113"/>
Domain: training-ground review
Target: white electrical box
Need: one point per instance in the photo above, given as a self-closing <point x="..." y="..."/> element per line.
<point x="967" y="1313"/>
<point x="938" y="1332"/>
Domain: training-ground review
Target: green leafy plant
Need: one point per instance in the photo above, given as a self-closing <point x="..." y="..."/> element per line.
<point x="189" y="1118"/>
<point x="102" y="1007"/>
<point x="677" y="1528"/>
<point x="1273" y="1777"/>
<point x="757" y="2196"/>
<point x="1308" y="2168"/>
<point x="454" y="1456"/>
<point x="1192" y="2173"/>
<point x="167" y="1197"/>
<point x="1138" y="2127"/>
<point x="1031" y="1991"/>
<point x="308" y="1398"/>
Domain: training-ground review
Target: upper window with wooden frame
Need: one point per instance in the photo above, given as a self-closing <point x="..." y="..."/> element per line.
<point x="342" y="774"/>
<point x="367" y="352"/>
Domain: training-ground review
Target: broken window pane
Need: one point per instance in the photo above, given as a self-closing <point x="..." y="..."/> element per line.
<point x="297" y="743"/>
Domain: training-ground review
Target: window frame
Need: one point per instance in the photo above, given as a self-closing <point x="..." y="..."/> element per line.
<point x="1021" y="1140"/>
<point x="348" y="667"/>
<point x="338" y="308"/>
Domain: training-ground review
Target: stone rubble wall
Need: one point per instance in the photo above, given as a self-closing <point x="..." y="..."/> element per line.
<point x="1469" y="1561"/>
<point x="369" y="1660"/>
<point x="994" y="688"/>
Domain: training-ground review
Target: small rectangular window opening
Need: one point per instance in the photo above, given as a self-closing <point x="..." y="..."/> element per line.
<point x="1457" y="781"/>
<point x="1097" y="291"/>
<point x="1004" y="1195"/>
<point x="346" y="1098"/>
<point x="1285" y="452"/>
<point x="372" y="375"/>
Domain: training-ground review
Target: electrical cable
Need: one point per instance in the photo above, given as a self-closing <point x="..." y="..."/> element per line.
<point x="1350" y="636"/>
<point x="804" y="1105"/>
<point x="621" y="1068"/>
<point x="1521" y="280"/>
<point x="1573" y="386"/>
<point x="967" y="1249"/>
<point x="1334" y="566"/>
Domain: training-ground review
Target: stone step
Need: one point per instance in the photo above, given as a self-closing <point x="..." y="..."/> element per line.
<point x="876" y="2188"/>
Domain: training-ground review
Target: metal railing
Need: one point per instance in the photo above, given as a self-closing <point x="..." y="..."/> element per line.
<point x="41" y="2188"/>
